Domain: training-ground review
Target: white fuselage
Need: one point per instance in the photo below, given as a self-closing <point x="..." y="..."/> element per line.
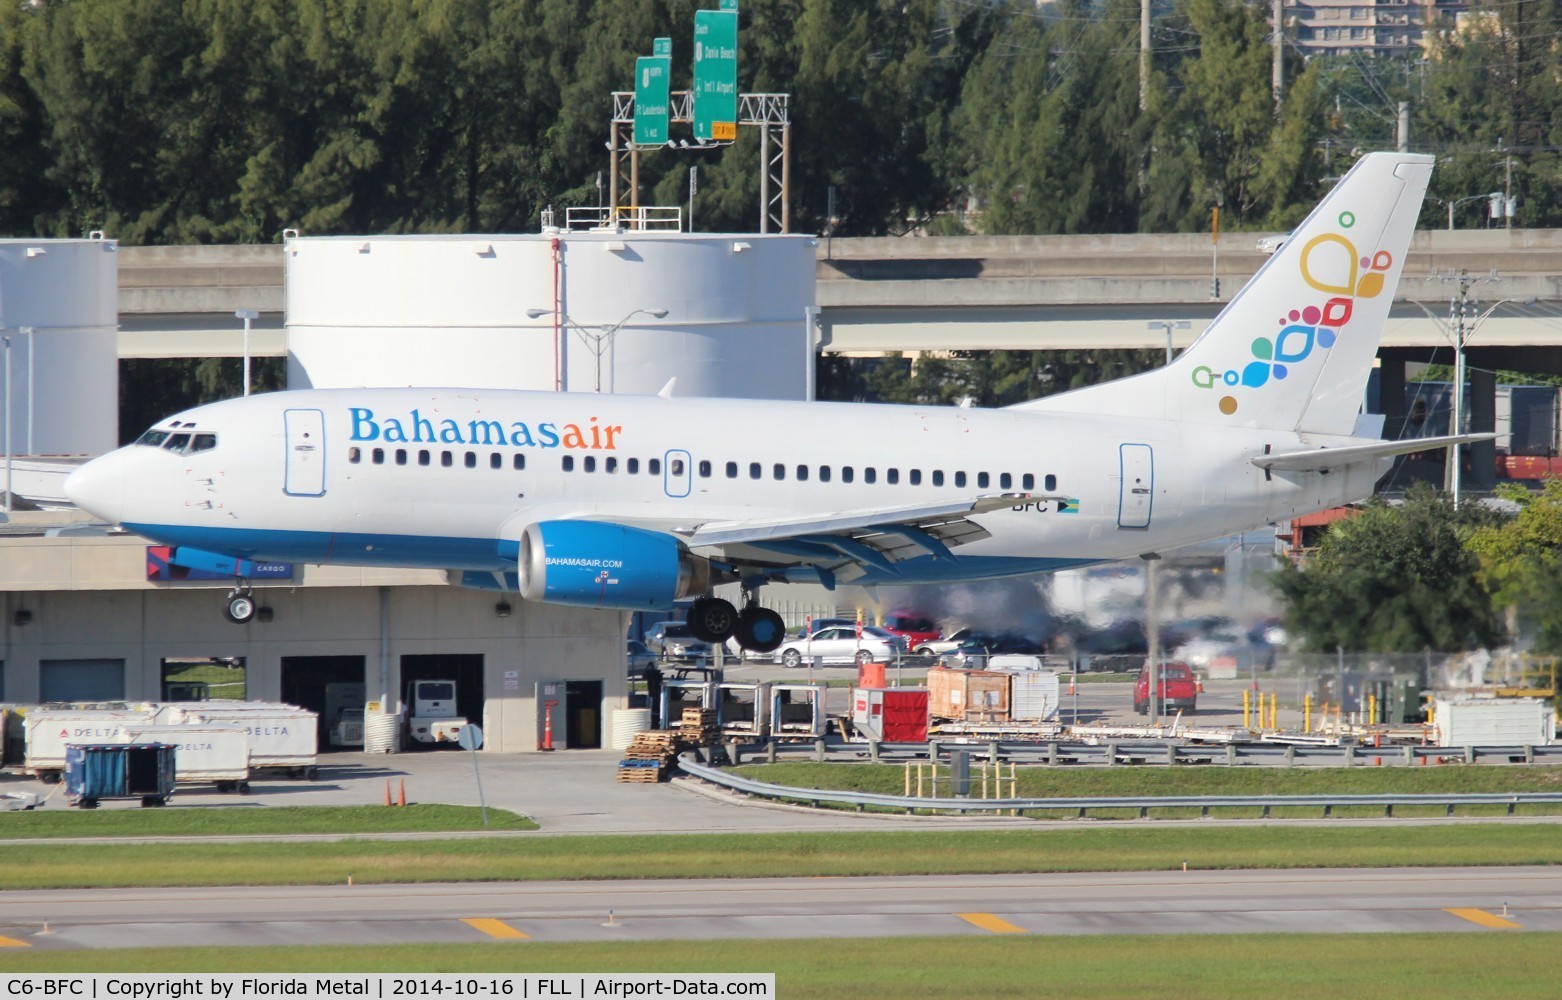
<point x="444" y="477"/>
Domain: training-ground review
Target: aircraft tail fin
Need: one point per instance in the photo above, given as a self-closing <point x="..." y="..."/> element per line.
<point x="1293" y="349"/>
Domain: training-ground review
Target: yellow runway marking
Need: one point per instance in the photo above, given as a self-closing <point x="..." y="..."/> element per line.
<point x="6" y="942"/>
<point x="1487" y="919"/>
<point x="988" y="922"/>
<point x="495" y="928"/>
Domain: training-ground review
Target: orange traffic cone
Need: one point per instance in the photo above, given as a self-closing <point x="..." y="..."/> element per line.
<point x="401" y="793"/>
<point x="387" y="792"/>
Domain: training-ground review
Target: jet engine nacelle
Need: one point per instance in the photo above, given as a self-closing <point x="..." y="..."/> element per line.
<point x="594" y="564"/>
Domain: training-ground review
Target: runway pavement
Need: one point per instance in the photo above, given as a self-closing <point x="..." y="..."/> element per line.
<point x="1218" y="902"/>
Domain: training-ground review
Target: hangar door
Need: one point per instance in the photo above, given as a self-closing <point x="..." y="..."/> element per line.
<point x="81" y="680"/>
<point x="466" y="669"/>
<point x="310" y="682"/>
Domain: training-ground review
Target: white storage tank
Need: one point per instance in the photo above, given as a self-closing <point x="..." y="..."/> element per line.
<point x="59" y="309"/>
<point x="727" y="315"/>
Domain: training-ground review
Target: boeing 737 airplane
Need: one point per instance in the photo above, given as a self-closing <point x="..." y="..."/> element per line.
<point x="638" y="502"/>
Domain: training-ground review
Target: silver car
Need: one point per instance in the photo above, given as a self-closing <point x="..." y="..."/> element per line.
<point x="840" y="644"/>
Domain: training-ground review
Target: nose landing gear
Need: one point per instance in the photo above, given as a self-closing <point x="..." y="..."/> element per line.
<point x="240" y="607"/>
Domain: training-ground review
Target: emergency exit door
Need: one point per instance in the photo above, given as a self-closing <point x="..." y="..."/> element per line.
<point x="1136" y="492"/>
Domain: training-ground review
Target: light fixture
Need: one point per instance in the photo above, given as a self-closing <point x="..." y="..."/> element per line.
<point x="502" y="609"/>
<point x="22" y="617"/>
<point x="538" y="313"/>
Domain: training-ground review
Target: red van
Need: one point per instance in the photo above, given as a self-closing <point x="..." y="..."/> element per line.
<point x="913" y="628"/>
<point x="1179" y="689"/>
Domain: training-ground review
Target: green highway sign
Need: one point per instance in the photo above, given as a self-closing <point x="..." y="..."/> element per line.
<point x="662" y="47"/>
<point x="653" y="78"/>
<point x="716" y="73"/>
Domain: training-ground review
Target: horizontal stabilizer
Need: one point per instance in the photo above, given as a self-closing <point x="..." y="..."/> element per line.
<point x="1322" y="459"/>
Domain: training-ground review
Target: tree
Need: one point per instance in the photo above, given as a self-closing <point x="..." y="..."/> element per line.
<point x="1396" y="578"/>
<point x="1521" y="562"/>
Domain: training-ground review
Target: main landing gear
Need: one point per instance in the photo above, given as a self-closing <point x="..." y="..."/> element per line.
<point x="714" y="620"/>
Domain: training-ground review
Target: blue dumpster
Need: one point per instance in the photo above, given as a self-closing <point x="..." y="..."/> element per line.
<point x="119" y="771"/>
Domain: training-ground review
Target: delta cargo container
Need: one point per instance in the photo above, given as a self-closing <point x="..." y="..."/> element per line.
<point x="48" y="731"/>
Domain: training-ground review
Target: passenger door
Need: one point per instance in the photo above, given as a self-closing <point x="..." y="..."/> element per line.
<point x="677" y="474"/>
<point x="1136" y="491"/>
<point x="304" y="474"/>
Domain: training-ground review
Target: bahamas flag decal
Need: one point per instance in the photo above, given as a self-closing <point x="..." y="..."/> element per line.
<point x="1070" y="506"/>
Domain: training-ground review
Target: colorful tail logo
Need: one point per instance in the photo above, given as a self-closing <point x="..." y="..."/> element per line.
<point x="1330" y="264"/>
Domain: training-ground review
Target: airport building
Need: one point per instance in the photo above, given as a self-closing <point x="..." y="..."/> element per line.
<point x="91" y="613"/>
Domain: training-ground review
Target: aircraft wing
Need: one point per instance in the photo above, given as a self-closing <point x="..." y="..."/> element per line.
<point x="1323" y="459"/>
<point x="878" y="537"/>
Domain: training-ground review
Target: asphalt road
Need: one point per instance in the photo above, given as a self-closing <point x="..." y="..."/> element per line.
<point x="1350" y="901"/>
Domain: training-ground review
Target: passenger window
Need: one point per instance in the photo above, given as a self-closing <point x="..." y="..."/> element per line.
<point x="471" y="460"/>
<point x="203" y="442"/>
<point x="654" y="466"/>
<point x="847" y="473"/>
<point x="610" y="465"/>
<point x="675" y="466"/>
<point x="959" y="479"/>
<point x="869" y="475"/>
<point x="824" y="473"/>
<point x="401" y="456"/>
<point x="495" y="460"/>
<point x="779" y="472"/>
<point x="755" y="470"/>
<point x="423" y="457"/>
<point x="590" y="463"/>
<point x="446" y="459"/>
<point x="802" y="473"/>
<point x="983" y="480"/>
<point x="914" y="477"/>
<point x="892" y="476"/>
<point x="1005" y="481"/>
<point x="633" y="466"/>
<point x="704" y="470"/>
<point x="1029" y="482"/>
<point x="938" y="477"/>
<point x="732" y="470"/>
<point x="518" y="462"/>
<point x="354" y="455"/>
<point x="379" y="456"/>
<point x="567" y="463"/>
<point x="1050" y="483"/>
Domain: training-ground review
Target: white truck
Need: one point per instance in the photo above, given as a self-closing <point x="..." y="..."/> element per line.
<point x="433" y="717"/>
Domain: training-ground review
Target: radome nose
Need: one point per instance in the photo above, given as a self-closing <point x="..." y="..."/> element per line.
<point x="99" y="487"/>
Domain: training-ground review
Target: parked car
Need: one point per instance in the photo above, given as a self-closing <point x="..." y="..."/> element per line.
<point x="1200" y="653"/>
<point x="1271" y="244"/>
<point x="1177" y="687"/>
<point x="637" y="657"/>
<point x="916" y="630"/>
<point x="977" y="649"/>
<point x="674" y="641"/>
<point x="935" y="648"/>
<point x="840" y="644"/>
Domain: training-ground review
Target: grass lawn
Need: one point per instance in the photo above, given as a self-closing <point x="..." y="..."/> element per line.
<point x="1471" y="966"/>
<point x="255" y="821"/>
<point x="977" y="850"/>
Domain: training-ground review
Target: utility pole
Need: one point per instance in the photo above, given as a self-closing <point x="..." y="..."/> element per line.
<point x="1402" y="129"/>
<point x="1277" y="83"/>
<point x="1144" y="54"/>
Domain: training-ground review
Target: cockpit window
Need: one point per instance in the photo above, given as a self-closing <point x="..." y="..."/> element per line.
<point x="153" y="437"/>
<point x="176" y="443"/>
<point x="201" y="442"/>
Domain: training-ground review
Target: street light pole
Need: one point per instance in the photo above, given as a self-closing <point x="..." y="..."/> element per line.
<point x="1168" y="325"/>
<point x="246" y="315"/>
<point x="599" y="341"/>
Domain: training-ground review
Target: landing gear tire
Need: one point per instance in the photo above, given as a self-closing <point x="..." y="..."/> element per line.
<point x="712" y="619"/>
<point x="760" y="630"/>
<point x="792" y="658"/>
<point x="240" y="607"/>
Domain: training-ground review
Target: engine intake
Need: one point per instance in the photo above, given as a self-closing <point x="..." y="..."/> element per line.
<point x="596" y="564"/>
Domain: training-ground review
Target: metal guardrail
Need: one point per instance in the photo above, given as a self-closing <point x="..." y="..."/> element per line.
<point x="1081" y="806"/>
<point x="1140" y="752"/>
